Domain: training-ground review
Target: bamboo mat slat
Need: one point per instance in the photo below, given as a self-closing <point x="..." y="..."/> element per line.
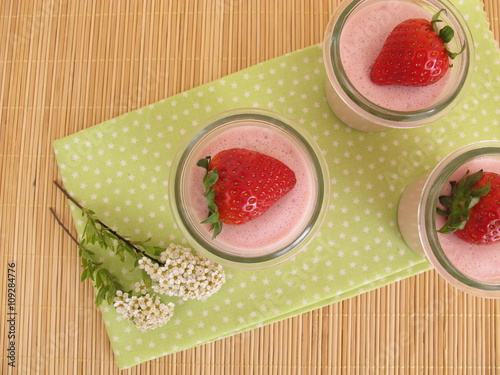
<point x="67" y="65"/>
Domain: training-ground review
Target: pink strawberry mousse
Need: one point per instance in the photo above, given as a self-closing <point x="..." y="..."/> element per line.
<point x="286" y="219"/>
<point x="361" y="41"/>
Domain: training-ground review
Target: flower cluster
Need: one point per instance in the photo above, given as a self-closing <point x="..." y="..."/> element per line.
<point x="146" y="312"/>
<point x="183" y="274"/>
<point x="179" y="273"/>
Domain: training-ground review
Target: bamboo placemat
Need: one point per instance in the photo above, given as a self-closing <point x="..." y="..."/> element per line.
<point x="66" y="66"/>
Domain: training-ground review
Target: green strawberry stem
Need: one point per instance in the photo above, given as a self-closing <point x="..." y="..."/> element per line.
<point x="463" y="197"/>
<point x="209" y="180"/>
<point x="446" y="33"/>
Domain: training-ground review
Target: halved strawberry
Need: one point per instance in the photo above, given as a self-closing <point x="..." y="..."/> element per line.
<point x="241" y="185"/>
<point x="473" y="209"/>
<point x="414" y="54"/>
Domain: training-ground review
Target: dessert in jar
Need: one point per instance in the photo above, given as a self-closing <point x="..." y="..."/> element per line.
<point x="287" y="225"/>
<point x="465" y="251"/>
<point x="354" y="39"/>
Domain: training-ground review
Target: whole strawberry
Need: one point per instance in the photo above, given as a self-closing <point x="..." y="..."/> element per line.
<point x="414" y="54"/>
<point x="240" y="185"/>
<point x="473" y="209"/>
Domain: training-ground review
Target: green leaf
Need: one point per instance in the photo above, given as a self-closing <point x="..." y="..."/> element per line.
<point x="97" y="279"/>
<point x="142" y="243"/>
<point x="86" y="255"/>
<point x="158" y="250"/>
<point x="204" y="163"/>
<point x="110" y="234"/>
<point x="136" y="264"/>
<point x="210" y="179"/>
<point x="101" y="295"/>
<point x="130" y="250"/>
<point x="446" y="201"/>
<point x="441" y="212"/>
<point x="153" y="250"/>
<point x="90" y="234"/>
<point x="454" y="186"/>
<point x="85" y="275"/>
<point x="212" y="219"/>
<point x="482" y="191"/>
<point x="111" y="293"/>
<point x="147" y="279"/>
<point x="109" y="241"/>
<point x="469" y="181"/>
<point x="102" y="240"/>
<point x="217" y="228"/>
<point x="451" y="226"/>
<point x="210" y="199"/>
<point x="104" y="276"/>
<point x="463" y="197"/>
<point x="120" y="250"/>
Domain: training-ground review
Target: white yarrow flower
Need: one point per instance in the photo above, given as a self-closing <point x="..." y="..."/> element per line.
<point x="140" y="287"/>
<point x="184" y="274"/>
<point x="146" y="312"/>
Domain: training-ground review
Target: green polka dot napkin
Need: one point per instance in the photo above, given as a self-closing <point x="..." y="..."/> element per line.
<point x="120" y="169"/>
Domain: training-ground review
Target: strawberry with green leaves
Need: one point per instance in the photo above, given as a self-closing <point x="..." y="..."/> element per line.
<point x="241" y="185"/>
<point x="414" y="54"/>
<point x="473" y="208"/>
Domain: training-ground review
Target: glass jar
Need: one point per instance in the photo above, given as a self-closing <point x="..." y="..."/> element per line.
<point x="459" y="262"/>
<point x="274" y="236"/>
<point x="353" y="107"/>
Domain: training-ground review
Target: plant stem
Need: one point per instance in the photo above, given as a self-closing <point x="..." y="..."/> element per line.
<point x="63" y="226"/>
<point x="61" y="188"/>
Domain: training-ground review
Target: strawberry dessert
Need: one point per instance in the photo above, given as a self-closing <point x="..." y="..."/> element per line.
<point x="469" y="219"/>
<point x="395" y="54"/>
<point x="253" y="192"/>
